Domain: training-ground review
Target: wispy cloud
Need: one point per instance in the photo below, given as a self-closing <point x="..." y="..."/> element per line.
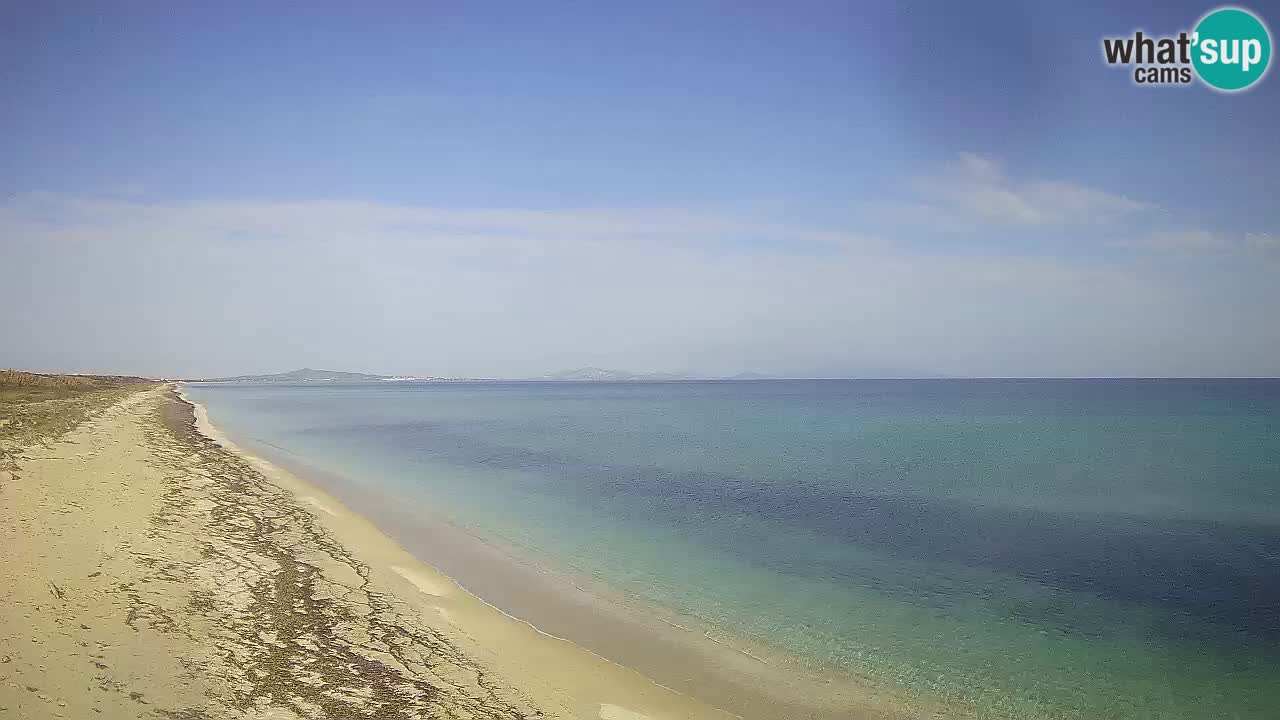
<point x="1194" y="241"/>
<point x="977" y="189"/>
<point x="317" y="222"/>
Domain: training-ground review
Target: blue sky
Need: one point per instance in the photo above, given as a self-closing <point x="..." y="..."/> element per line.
<point x="506" y="189"/>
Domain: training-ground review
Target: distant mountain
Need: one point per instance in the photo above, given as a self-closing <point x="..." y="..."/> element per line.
<point x="595" y="374"/>
<point x="307" y="375"/>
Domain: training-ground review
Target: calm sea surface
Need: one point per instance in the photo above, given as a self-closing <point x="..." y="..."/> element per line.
<point x="1016" y="548"/>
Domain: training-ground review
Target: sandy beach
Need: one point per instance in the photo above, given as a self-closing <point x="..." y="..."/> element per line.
<point x="152" y="571"/>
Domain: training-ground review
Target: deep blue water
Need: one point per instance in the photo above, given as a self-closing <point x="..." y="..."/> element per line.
<point x="1061" y="548"/>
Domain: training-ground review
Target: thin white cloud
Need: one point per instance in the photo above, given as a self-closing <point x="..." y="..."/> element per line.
<point x="1181" y="240"/>
<point x="976" y="188"/>
<point x="315" y="221"/>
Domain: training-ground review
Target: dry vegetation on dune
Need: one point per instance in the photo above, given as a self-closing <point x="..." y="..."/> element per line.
<point x="17" y="386"/>
<point x="35" y="407"/>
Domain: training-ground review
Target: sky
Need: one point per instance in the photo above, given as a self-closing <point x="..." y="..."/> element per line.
<point x="509" y="189"/>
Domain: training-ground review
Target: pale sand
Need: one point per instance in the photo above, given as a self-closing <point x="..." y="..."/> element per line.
<point x="613" y="712"/>
<point x="427" y="585"/>
<point x="150" y="572"/>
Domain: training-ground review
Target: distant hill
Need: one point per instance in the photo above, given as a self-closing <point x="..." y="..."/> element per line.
<point x="751" y="376"/>
<point x="595" y="374"/>
<point x="307" y="375"/>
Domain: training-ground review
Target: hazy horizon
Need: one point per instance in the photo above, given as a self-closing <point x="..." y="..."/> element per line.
<point x="682" y="376"/>
<point x="477" y="191"/>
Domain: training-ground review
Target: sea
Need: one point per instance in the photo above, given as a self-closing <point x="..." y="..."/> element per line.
<point x="997" y="548"/>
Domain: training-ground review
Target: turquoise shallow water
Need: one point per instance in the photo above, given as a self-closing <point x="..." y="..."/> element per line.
<point x="1017" y="548"/>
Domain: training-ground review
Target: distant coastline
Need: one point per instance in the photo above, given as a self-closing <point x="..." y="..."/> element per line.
<point x="602" y="375"/>
<point x="582" y="374"/>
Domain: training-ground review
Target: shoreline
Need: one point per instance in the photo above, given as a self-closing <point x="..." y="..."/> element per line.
<point x="154" y="573"/>
<point x="432" y="583"/>
<point x="685" y="660"/>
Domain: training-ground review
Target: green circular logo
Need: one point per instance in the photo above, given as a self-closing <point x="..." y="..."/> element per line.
<point x="1232" y="49"/>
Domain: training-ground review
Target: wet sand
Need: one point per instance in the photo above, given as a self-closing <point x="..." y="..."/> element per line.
<point x="152" y="572"/>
